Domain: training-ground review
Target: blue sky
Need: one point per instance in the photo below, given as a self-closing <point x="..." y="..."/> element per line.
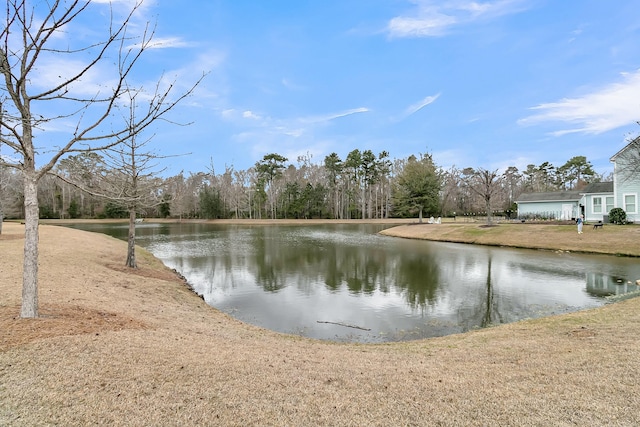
<point x="476" y="83"/>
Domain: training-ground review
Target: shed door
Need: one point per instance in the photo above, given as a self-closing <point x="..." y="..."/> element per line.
<point x="567" y="211"/>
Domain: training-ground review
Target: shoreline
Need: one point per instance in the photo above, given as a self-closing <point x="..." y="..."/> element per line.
<point x="122" y="347"/>
<point x="616" y="240"/>
<point x="611" y="240"/>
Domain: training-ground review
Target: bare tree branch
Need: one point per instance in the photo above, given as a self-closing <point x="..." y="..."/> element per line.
<point x="30" y="37"/>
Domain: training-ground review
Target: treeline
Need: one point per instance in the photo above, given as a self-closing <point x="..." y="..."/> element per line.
<point x="363" y="185"/>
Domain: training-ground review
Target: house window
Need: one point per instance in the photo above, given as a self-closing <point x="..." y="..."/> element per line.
<point x="630" y="203"/>
<point x="609" y="200"/>
<point x="597" y="205"/>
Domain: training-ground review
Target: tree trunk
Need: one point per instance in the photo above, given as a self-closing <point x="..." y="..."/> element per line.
<point x="488" y="208"/>
<point x="131" y="249"/>
<point x="30" y="265"/>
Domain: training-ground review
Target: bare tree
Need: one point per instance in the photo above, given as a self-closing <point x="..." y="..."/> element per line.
<point x="176" y="191"/>
<point x="241" y="193"/>
<point x="30" y="38"/>
<point x="628" y="160"/>
<point x="2" y="196"/>
<point x="451" y="195"/>
<point x="85" y="172"/>
<point x="131" y="184"/>
<point x="2" y="178"/>
<point x="486" y="184"/>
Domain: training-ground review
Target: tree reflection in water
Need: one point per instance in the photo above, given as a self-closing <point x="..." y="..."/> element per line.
<point x="287" y="278"/>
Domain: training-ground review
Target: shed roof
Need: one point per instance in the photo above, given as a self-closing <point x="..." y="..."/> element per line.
<point x="550" y="196"/>
<point x="599" y="187"/>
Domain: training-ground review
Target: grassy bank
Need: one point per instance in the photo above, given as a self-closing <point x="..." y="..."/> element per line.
<point x="610" y="239"/>
<point x="129" y="348"/>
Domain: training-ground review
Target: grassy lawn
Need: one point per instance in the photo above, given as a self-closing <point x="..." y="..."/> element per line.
<point x="125" y="347"/>
<point x="610" y="239"/>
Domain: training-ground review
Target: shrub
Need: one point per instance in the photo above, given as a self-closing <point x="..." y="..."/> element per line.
<point x="113" y="210"/>
<point x="617" y="216"/>
<point x="46" y="212"/>
<point x="74" y="209"/>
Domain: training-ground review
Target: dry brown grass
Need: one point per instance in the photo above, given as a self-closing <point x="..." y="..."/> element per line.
<point x="610" y="239"/>
<point x="116" y="347"/>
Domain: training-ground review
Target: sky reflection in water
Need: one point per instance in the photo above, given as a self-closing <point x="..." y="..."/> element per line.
<point x="290" y="278"/>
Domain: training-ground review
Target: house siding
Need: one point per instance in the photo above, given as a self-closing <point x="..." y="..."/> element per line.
<point x="623" y="192"/>
<point x="588" y="201"/>
<point x="626" y="185"/>
<point x="549" y="209"/>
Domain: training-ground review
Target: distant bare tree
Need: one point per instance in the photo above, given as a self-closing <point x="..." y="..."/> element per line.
<point x="176" y="191"/>
<point x="486" y="184"/>
<point x="29" y="38"/>
<point x="241" y="192"/>
<point x="85" y="172"/>
<point x="451" y="195"/>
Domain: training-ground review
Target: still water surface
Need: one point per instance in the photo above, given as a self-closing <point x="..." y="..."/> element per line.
<point x="345" y="282"/>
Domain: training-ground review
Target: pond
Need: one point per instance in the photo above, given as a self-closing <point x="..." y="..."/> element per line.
<point x="345" y="282"/>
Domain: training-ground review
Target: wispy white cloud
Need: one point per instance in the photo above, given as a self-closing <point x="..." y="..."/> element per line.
<point x="289" y="131"/>
<point x="168" y="42"/>
<point x="291" y="137"/>
<point x="56" y="69"/>
<point x="433" y="18"/>
<point x="610" y="107"/>
<point x="156" y="42"/>
<point x="412" y="109"/>
<point x="232" y="113"/>
<point x="141" y="23"/>
<point x="251" y="115"/>
<point x="246" y="118"/>
<point x="296" y="127"/>
<point x="575" y="34"/>
<point x="182" y="79"/>
<point x="333" y="116"/>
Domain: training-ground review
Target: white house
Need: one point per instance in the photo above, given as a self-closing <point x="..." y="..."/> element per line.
<point x="549" y="205"/>
<point x="597" y="199"/>
<point x="626" y="179"/>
